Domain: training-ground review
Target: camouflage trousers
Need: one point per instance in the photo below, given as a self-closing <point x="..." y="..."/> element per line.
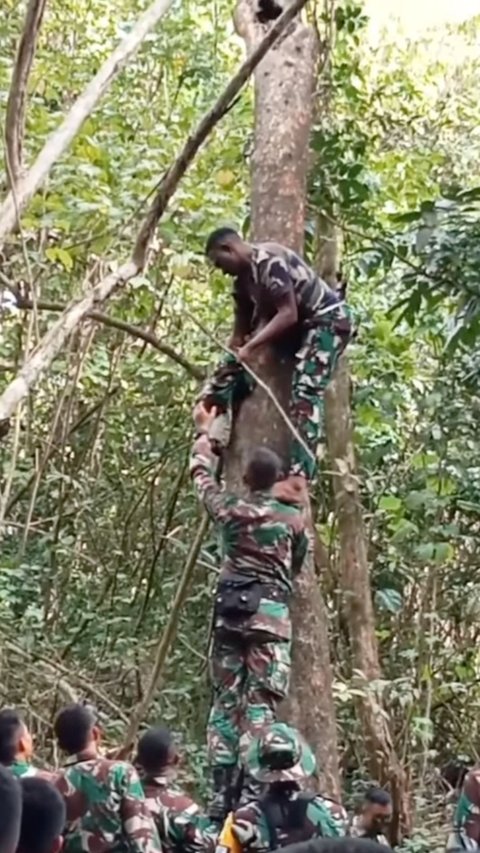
<point x="250" y="676"/>
<point x="315" y="362"/>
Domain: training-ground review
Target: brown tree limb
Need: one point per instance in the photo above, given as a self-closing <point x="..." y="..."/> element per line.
<point x="168" y="634"/>
<point x="17" y="96"/>
<point x="129" y="328"/>
<point x="54" y="341"/>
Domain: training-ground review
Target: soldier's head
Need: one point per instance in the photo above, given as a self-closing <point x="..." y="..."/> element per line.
<point x="11" y="810"/>
<point x="156" y="751"/>
<point x="263" y="469"/>
<point x="43" y="817"/>
<point x="376" y="811"/>
<point x="227" y="251"/>
<point x="16" y="742"/>
<point x="76" y="729"/>
<point x="280" y="756"/>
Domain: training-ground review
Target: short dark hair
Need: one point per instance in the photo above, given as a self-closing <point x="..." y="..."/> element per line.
<point x="73" y="726"/>
<point x="219" y="236"/>
<point x="263" y="468"/>
<point x="11" y="725"/>
<point x="378" y="797"/>
<point x="154" y="749"/>
<point x="11" y="811"/>
<point x="43" y="815"/>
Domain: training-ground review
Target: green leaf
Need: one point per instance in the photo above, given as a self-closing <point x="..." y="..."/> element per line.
<point x="389" y="503"/>
<point x="388" y="599"/>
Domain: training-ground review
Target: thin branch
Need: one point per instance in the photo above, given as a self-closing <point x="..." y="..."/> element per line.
<point x="85" y="104"/>
<point x="168" y="634"/>
<point x="54" y="341"/>
<point x="129" y="328"/>
<point x="17" y="96"/>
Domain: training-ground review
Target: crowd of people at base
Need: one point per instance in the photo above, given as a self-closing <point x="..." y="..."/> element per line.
<point x="97" y="804"/>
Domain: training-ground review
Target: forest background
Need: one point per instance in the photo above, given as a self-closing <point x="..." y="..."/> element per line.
<point x="97" y="512"/>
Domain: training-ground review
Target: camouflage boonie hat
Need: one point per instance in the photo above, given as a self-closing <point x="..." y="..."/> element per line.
<point x="280" y="755"/>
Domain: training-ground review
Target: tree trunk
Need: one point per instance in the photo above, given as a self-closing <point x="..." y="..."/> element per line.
<point x="284" y="84"/>
<point x="384" y="765"/>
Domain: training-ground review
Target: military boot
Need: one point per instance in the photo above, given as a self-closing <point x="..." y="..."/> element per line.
<point x="223" y="784"/>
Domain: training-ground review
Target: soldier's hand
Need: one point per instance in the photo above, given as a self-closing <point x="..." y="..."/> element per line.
<point x="244" y="832"/>
<point x="202" y="445"/>
<point x="204" y="417"/>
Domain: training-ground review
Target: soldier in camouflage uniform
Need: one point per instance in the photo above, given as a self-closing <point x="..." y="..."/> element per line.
<point x="284" y="814"/>
<point x="280" y="300"/>
<point x="106" y="808"/>
<point x="263" y="544"/>
<point x="466" y="825"/>
<point x="182" y="826"/>
<point x="16" y="746"/>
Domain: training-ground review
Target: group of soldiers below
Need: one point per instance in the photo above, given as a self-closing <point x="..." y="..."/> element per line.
<point x="97" y="804"/>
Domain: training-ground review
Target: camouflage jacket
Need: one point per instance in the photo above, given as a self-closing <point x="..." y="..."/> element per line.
<point x="22" y="769"/>
<point x="275" y="270"/>
<point x="181" y="825"/>
<point x="106" y="808"/>
<point x="260" y="538"/>
<point x="467" y="814"/>
<point x="321" y="817"/>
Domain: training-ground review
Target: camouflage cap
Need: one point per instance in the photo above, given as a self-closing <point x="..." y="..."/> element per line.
<point x="280" y="755"/>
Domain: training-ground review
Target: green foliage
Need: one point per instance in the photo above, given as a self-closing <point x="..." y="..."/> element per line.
<point x="99" y="513"/>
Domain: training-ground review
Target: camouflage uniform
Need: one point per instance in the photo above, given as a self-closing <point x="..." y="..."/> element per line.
<point x="284" y="814"/>
<point x="466" y="830"/>
<point x="106" y="808"/>
<point x="323" y="331"/>
<point x="23" y="769"/>
<point x="262" y="541"/>
<point x="181" y="825"/>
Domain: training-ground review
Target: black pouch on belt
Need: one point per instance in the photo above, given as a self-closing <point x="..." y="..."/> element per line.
<point x="237" y="598"/>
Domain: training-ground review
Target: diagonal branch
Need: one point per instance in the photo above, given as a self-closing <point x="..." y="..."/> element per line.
<point x="17" y="96"/>
<point x="129" y="328"/>
<point x="61" y="138"/>
<point x="53" y="342"/>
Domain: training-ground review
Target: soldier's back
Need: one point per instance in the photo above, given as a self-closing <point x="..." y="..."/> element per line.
<point x="101" y="797"/>
<point x="180" y="822"/>
<point x="257" y="539"/>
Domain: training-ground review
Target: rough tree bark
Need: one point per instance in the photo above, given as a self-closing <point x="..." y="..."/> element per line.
<point x="284" y="85"/>
<point x="384" y="765"/>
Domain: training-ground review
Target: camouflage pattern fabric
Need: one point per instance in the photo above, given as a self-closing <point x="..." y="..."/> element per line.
<point x="106" y="808"/>
<point x="250" y="673"/>
<point x="23" y="769"/>
<point x="261" y="538"/>
<point x="275" y="269"/>
<point x="280" y="754"/>
<point x="323" y="818"/>
<point x="324" y="329"/>
<point x="181" y="825"/>
<point x="466" y="824"/>
<point x="265" y="541"/>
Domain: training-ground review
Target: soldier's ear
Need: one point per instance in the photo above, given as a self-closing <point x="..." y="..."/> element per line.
<point x="57" y="845"/>
<point x="97" y="734"/>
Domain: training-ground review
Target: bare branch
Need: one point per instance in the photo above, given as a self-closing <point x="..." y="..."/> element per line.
<point x="168" y="634"/>
<point x="54" y="341"/>
<point x="61" y="138"/>
<point x="17" y="97"/>
<point x="129" y="328"/>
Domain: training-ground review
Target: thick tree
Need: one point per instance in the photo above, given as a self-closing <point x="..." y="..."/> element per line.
<point x="284" y="84"/>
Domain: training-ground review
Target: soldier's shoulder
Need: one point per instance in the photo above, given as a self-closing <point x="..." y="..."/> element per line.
<point x="333" y="806"/>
